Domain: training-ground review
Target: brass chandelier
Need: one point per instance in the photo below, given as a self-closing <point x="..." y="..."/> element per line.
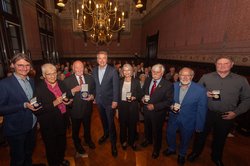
<point x="99" y="19"/>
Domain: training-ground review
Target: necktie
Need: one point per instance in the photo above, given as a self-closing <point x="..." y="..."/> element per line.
<point x="153" y="88"/>
<point x="80" y="80"/>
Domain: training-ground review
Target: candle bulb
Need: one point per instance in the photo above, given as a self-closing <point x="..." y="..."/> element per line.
<point x="84" y="18"/>
<point x="77" y="13"/>
<point x="122" y="16"/>
<point x="119" y="21"/>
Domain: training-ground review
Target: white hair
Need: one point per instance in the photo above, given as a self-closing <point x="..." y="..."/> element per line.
<point x="47" y="66"/>
<point x="158" y="67"/>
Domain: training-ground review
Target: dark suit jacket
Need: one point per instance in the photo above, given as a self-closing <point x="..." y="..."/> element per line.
<point x="50" y="117"/>
<point x="17" y="119"/>
<point x="193" y="108"/>
<point x="79" y="106"/>
<point x="135" y="89"/>
<point x="163" y="95"/>
<point x="108" y="90"/>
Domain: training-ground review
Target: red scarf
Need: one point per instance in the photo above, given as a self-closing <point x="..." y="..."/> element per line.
<point x="57" y="93"/>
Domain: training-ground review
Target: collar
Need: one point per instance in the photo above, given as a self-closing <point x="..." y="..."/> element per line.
<point x="19" y="78"/>
<point x="104" y="68"/>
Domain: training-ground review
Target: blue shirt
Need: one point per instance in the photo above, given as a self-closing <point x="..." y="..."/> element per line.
<point x="101" y="72"/>
<point x="25" y="84"/>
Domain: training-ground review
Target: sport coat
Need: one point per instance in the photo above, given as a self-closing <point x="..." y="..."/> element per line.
<point x="79" y="106"/>
<point x="17" y="119"/>
<point x="108" y="90"/>
<point x="163" y="94"/>
<point x="193" y="108"/>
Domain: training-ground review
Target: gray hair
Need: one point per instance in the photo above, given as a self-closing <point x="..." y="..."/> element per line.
<point x="127" y="66"/>
<point x="102" y="52"/>
<point x="47" y="66"/>
<point x="159" y="66"/>
<point x="191" y="71"/>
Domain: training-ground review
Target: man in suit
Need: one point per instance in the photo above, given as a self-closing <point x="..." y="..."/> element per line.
<point x="81" y="110"/>
<point x="188" y="113"/>
<point x="161" y="96"/>
<point x="19" y="121"/>
<point x="228" y="96"/>
<point x="107" y="91"/>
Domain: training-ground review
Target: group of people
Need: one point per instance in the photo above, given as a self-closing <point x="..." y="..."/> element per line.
<point x="210" y="104"/>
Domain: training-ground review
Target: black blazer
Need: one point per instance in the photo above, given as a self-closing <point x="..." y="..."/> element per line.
<point x="135" y="89"/>
<point x="50" y="117"/>
<point x="163" y="95"/>
<point x="79" y="106"/>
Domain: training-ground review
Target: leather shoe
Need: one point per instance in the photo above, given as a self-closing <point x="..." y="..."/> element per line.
<point x="134" y="147"/>
<point x="181" y="160"/>
<point x="65" y="163"/>
<point x="145" y="143"/>
<point x="124" y="146"/>
<point x="103" y="139"/>
<point x="218" y="162"/>
<point x="155" y="155"/>
<point x="114" y="151"/>
<point x="167" y="152"/>
<point x="192" y="156"/>
<point x="80" y="149"/>
<point x="91" y="145"/>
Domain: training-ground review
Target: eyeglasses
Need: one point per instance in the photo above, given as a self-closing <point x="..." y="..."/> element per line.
<point x="51" y="74"/>
<point x="21" y="66"/>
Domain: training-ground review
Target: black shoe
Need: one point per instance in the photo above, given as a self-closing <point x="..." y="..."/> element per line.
<point x="181" y="160"/>
<point x="155" y="155"/>
<point x="39" y="164"/>
<point x="218" y="162"/>
<point x="80" y="149"/>
<point x="103" y="139"/>
<point x="192" y="156"/>
<point x="167" y="152"/>
<point x="124" y="145"/>
<point x="145" y="143"/>
<point x="134" y="147"/>
<point x="91" y="145"/>
<point x="65" y="163"/>
<point x="114" y="151"/>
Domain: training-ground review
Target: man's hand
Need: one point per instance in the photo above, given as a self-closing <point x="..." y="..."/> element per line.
<point x="31" y="107"/>
<point x="114" y="105"/>
<point x="150" y="107"/>
<point x="209" y="94"/>
<point x="229" y="115"/>
<point x="90" y="97"/>
<point x="76" y="89"/>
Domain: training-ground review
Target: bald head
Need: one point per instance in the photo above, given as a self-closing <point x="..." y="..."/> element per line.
<point x="186" y="75"/>
<point x="78" y="68"/>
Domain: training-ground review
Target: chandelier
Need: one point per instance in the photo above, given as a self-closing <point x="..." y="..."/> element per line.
<point x="139" y="4"/>
<point x="99" y="19"/>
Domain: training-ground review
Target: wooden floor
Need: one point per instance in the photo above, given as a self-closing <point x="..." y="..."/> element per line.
<point x="236" y="151"/>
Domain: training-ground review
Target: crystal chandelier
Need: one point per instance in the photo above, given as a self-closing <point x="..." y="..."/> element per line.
<point x="99" y="19"/>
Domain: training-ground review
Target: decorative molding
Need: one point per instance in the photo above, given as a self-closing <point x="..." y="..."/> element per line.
<point x="239" y="59"/>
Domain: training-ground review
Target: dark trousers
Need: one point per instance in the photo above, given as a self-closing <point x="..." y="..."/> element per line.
<point x="153" y="122"/>
<point x="76" y="125"/>
<point x="107" y="117"/>
<point x="128" y="118"/>
<point x="220" y="129"/>
<point x="54" y="139"/>
<point x="21" y="148"/>
<point x="186" y="134"/>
